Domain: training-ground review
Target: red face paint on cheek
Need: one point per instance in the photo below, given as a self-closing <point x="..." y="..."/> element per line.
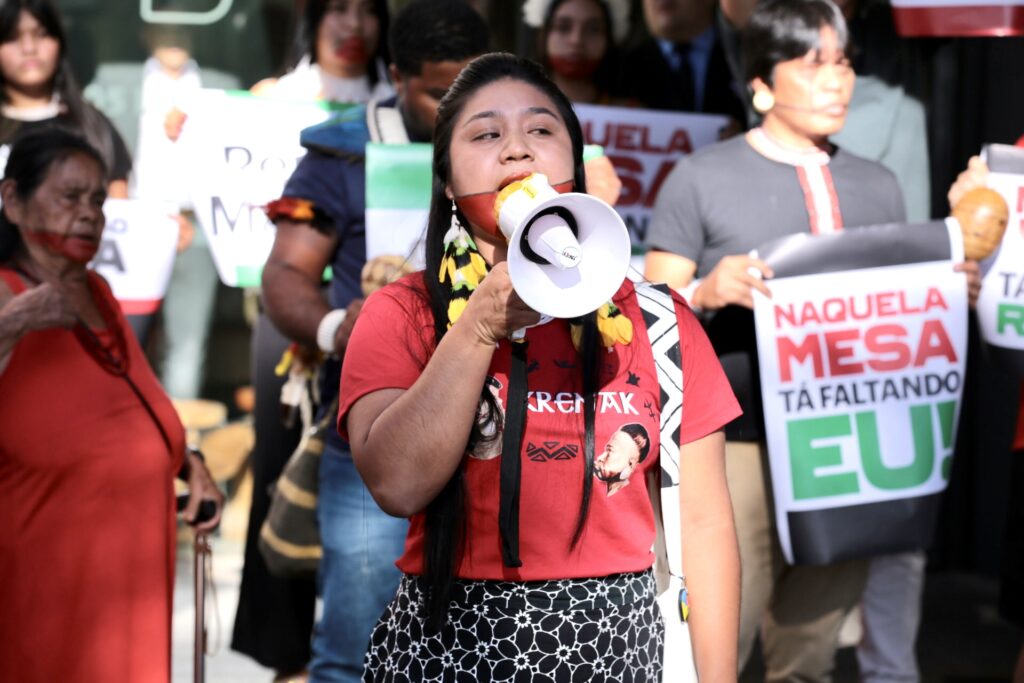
<point x="75" y="249"/>
<point x="79" y="250"/>
<point x="480" y="211"/>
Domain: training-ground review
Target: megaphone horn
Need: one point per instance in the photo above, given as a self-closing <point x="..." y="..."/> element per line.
<point x="550" y="237"/>
<point x="568" y="253"/>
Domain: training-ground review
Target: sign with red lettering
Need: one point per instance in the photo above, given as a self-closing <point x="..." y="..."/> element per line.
<point x="644" y="146"/>
<point x="1001" y="303"/>
<point x="862" y="349"/>
<point x="969" y="18"/>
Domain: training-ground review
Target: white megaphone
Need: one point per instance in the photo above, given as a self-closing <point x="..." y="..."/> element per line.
<point x="567" y="253"/>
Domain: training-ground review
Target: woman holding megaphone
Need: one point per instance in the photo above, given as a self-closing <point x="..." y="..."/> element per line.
<point x="518" y="563"/>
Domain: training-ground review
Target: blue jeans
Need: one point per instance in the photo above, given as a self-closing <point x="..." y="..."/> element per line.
<point x="357" y="577"/>
<point x="188" y="317"/>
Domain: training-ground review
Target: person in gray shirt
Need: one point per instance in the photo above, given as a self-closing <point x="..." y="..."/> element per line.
<point x="714" y="208"/>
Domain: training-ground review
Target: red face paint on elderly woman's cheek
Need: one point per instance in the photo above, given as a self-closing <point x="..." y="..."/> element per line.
<point x="74" y="249"/>
<point x="479" y="208"/>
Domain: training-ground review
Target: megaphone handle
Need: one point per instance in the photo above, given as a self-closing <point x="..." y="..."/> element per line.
<point x="520" y="334"/>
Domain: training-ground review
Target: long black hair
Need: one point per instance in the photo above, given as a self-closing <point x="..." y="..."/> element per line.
<point x="781" y="30"/>
<point x="28" y="165"/>
<point x="604" y="77"/>
<point x="305" y="37"/>
<point x="79" y="115"/>
<point x="445" y="516"/>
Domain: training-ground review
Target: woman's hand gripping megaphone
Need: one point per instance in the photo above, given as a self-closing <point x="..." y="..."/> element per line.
<point x="495" y="311"/>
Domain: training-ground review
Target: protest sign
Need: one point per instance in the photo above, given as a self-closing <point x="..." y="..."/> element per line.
<point x="862" y="349"/>
<point x="1001" y="303"/>
<point x="243" y="149"/>
<point x="137" y="252"/>
<point x="969" y="18"/>
<point x="644" y="146"/>
<point x="398" y="180"/>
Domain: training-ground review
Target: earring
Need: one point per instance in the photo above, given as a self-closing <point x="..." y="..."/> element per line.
<point x="455" y="230"/>
<point x="763" y="101"/>
<point x="462" y="266"/>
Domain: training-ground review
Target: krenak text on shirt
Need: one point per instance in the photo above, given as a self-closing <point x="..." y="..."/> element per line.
<point x="567" y="402"/>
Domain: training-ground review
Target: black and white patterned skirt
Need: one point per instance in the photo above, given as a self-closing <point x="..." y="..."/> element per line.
<point x="601" y="629"/>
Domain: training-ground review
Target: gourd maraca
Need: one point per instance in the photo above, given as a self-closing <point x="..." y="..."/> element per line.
<point x="382" y="270"/>
<point x="983" y="215"/>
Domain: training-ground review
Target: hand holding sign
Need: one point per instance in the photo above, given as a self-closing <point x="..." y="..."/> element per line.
<point x="975" y="175"/>
<point x="173" y="123"/>
<point x="602" y="180"/>
<point x="982" y="215"/>
<point x="862" y="353"/>
<point x="1001" y="303"/>
<point x="731" y="282"/>
<point x="973" y="272"/>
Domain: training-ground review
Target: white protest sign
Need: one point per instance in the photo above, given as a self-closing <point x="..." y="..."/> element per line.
<point x="861" y="376"/>
<point x="1001" y="303"/>
<point x="137" y="252"/>
<point x="243" y="149"/>
<point x="969" y="18"/>
<point x="398" y="182"/>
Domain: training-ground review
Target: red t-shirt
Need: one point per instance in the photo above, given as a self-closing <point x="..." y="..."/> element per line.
<point x="391" y="345"/>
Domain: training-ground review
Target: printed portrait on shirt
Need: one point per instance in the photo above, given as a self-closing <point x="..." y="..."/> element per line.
<point x="489" y="444"/>
<point x="627" y="447"/>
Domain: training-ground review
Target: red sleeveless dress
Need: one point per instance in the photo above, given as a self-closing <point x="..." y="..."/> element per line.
<point x="87" y="519"/>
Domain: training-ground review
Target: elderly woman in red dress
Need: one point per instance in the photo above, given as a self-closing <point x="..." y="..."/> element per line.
<point x="89" y="442"/>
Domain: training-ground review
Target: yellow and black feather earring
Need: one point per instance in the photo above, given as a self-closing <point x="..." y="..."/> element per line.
<point x="462" y="266"/>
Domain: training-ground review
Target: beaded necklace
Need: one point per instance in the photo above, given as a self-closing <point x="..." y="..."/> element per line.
<point x="112" y="357"/>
